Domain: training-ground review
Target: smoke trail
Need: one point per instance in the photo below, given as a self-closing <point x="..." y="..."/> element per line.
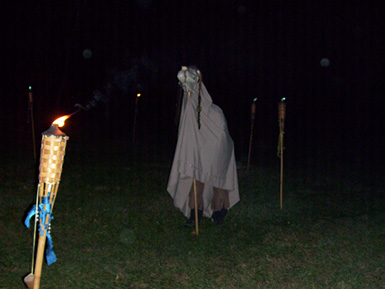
<point x="137" y="77"/>
<point x="97" y="98"/>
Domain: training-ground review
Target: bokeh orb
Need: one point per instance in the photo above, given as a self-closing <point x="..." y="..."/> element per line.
<point x="87" y="53"/>
<point x="325" y="62"/>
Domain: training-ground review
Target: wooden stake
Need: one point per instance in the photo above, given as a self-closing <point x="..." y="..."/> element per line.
<point x="281" y="121"/>
<point x="30" y="116"/>
<point x="281" y="176"/>
<point x="135" y="116"/>
<point x="196" y="207"/>
<point x="253" y="107"/>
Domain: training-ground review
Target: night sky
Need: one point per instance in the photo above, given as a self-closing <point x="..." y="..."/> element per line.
<point x="325" y="57"/>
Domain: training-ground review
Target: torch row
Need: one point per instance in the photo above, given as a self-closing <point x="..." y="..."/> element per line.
<point x="281" y="123"/>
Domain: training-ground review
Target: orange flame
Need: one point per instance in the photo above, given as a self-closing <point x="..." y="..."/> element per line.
<point x="60" y="121"/>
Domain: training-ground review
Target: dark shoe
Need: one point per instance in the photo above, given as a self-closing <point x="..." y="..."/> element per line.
<point x="219" y="216"/>
<point x="191" y="221"/>
<point x="215" y="216"/>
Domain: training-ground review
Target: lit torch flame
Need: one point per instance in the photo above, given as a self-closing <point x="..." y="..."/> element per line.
<point x="60" y="121"/>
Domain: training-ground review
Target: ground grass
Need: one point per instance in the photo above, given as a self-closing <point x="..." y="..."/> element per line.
<point x="115" y="227"/>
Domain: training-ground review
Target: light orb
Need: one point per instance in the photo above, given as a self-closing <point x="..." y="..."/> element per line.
<point x="87" y="53"/>
<point x="325" y="62"/>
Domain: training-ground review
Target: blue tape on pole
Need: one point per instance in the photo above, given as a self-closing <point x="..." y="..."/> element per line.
<point x="43" y="217"/>
<point x="31" y="213"/>
<point x="43" y="212"/>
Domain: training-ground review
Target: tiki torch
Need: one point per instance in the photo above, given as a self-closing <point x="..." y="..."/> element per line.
<point x="53" y="145"/>
<point x="135" y="115"/>
<point x="281" y="121"/>
<point x="253" y="109"/>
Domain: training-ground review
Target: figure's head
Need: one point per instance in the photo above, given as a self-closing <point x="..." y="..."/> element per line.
<point x="189" y="78"/>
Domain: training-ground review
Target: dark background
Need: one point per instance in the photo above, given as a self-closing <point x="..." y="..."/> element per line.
<point x="245" y="49"/>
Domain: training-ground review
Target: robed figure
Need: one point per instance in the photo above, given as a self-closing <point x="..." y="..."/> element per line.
<point x="204" y="152"/>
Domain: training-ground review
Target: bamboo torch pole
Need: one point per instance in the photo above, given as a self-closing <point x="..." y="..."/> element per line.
<point x="31" y="118"/>
<point x="135" y="116"/>
<point x="253" y="109"/>
<point x="281" y="121"/>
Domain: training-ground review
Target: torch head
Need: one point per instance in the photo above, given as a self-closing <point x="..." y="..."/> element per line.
<point x="253" y="109"/>
<point x="52" y="153"/>
<point x="59" y="122"/>
<point x="282" y="112"/>
<point x="54" y="130"/>
<point x="30" y="94"/>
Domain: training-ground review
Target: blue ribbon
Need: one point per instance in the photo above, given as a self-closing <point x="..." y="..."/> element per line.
<point x="30" y="214"/>
<point x="49" y="253"/>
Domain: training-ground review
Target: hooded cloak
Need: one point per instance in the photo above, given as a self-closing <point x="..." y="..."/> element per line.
<point x="206" y="154"/>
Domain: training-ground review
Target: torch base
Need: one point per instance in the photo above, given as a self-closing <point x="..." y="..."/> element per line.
<point x="29" y="280"/>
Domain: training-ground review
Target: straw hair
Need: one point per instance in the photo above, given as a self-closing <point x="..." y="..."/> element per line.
<point x="51" y="158"/>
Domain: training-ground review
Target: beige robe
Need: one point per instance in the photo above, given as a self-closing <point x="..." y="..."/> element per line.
<point x="206" y="154"/>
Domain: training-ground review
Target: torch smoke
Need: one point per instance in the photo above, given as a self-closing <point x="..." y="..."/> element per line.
<point x="98" y="97"/>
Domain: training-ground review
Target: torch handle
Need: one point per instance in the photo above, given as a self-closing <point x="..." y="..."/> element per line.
<point x="135" y="116"/>
<point x="30" y="116"/>
<point x="44" y="189"/>
<point x="39" y="261"/>
<point x="281" y="120"/>
<point x="281" y="176"/>
<point x="251" y="140"/>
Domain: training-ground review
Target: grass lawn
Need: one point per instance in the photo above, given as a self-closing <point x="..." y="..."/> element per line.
<point x="115" y="227"/>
